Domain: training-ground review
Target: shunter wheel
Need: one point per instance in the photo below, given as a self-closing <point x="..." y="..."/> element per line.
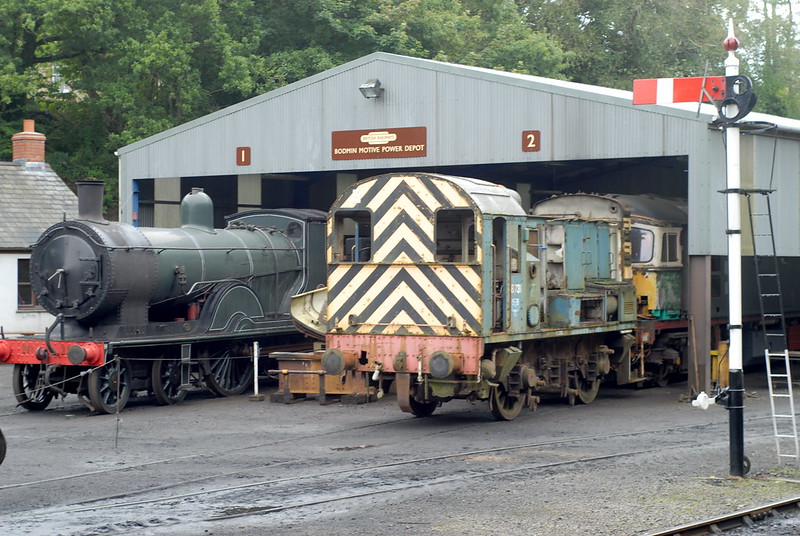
<point x="422" y="409"/>
<point x="504" y="406"/>
<point x="110" y="386"/>
<point x="28" y="382"/>
<point x="587" y="391"/>
<point x="166" y="381"/>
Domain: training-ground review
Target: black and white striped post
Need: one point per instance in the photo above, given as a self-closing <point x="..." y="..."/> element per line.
<point x="733" y="195"/>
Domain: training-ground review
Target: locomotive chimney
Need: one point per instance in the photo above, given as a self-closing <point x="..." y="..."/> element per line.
<point x="28" y="145"/>
<point x="90" y="201"/>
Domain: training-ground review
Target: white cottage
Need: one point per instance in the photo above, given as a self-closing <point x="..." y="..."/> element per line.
<point x="32" y="198"/>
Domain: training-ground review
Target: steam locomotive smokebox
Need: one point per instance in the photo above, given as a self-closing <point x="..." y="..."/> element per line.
<point x="302" y="380"/>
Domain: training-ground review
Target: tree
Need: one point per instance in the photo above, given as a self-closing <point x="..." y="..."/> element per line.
<point x="770" y="51"/>
<point x="312" y="35"/>
<point x="612" y="42"/>
<point x="100" y="74"/>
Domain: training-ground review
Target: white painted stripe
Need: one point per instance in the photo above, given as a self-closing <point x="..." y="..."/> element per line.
<point x="664" y="90"/>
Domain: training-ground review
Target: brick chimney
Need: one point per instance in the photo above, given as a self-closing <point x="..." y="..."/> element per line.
<point x="28" y="144"/>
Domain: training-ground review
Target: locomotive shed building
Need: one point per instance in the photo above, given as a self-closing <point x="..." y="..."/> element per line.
<point x="302" y="144"/>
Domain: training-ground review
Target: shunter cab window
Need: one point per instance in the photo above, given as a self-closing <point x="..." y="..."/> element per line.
<point x="642" y="242"/>
<point x="669" y="247"/>
<point x="352" y="232"/>
<point x="455" y="235"/>
<point x="513" y="252"/>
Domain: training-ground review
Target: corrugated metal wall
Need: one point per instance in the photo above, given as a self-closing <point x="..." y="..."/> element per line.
<point x="473" y="116"/>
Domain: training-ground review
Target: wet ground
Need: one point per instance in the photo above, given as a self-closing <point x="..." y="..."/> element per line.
<point x="633" y="462"/>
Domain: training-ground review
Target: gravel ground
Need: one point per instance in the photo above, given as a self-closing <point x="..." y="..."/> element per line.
<point x="634" y="462"/>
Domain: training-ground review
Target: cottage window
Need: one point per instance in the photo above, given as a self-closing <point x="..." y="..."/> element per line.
<point x="26" y="299"/>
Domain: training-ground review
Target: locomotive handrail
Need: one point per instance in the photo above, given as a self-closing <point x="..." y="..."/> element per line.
<point x="188" y="248"/>
<point x="59" y="320"/>
<point x="215" y="248"/>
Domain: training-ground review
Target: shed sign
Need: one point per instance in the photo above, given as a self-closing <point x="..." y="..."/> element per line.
<point x="408" y="142"/>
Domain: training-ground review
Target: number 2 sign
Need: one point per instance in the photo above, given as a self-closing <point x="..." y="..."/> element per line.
<point x="530" y="140"/>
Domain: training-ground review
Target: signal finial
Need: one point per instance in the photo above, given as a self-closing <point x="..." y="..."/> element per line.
<point x="730" y="43"/>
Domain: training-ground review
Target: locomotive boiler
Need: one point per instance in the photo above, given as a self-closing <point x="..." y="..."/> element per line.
<point x="159" y="309"/>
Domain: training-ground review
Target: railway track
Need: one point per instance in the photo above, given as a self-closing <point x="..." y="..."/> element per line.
<point x="209" y="456"/>
<point x="738" y="521"/>
<point x="232" y="467"/>
<point x="287" y="490"/>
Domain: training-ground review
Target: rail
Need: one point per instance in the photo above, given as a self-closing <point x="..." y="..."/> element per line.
<point x="735" y="520"/>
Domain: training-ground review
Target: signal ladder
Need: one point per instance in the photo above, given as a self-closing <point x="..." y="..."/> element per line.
<point x="773" y="327"/>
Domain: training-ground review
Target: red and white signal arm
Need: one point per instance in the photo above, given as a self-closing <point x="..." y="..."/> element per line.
<point x="672" y="90"/>
<point x="732" y="95"/>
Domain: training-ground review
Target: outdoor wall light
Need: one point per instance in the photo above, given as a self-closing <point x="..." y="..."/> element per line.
<point x="371" y="89"/>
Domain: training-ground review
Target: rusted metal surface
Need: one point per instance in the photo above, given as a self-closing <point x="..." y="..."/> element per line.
<point x="302" y="374"/>
<point x="383" y="349"/>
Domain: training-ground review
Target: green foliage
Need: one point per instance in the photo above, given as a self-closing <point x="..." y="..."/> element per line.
<point x="612" y="42"/>
<point x="100" y="74"/>
<point x="770" y="50"/>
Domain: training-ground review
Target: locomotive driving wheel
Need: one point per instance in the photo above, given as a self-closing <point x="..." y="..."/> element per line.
<point x="230" y="374"/>
<point x="29" y="388"/>
<point x="166" y="381"/>
<point x="110" y="386"/>
<point x="504" y="406"/>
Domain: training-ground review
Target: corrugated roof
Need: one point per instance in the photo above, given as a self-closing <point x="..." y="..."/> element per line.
<point x="706" y="113"/>
<point x="548" y="85"/>
<point x="32" y="198"/>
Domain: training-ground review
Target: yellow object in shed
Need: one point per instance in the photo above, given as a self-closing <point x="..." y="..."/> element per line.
<point x="720" y="365"/>
<point x="645" y="283"/>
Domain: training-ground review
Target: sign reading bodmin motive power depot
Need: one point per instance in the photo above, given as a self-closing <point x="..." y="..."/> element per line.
<point x="408" y="142"/>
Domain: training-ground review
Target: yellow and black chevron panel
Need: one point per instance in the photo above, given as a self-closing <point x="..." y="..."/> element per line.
<point x="403" y="208"/>
<point x="401" y="288"/>
<point x="410" y="299"/>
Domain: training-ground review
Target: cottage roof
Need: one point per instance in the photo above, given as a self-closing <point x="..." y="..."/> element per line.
<point x="32" y="198"/>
